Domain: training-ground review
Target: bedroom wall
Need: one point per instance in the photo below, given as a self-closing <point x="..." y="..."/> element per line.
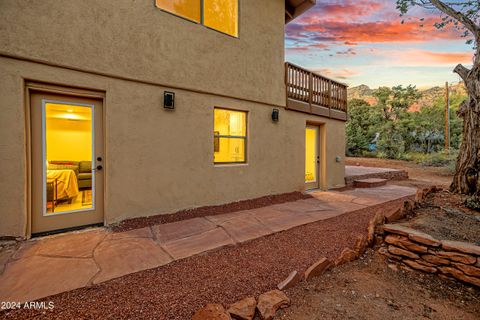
<point x="69" y="140"/>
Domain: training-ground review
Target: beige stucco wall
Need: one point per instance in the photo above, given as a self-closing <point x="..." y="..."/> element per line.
<point x="160" y="161"/>
<point x="157" y="161"/>
<point x="136" y="39"/>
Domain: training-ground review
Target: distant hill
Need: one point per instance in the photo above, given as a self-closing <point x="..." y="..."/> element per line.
<point x="428" y="95"/>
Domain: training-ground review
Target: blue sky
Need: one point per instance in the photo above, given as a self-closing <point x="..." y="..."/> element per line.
<point x="364" y="42"/>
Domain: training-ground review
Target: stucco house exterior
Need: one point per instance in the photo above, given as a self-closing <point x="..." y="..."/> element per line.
<point x="120" y="109"/>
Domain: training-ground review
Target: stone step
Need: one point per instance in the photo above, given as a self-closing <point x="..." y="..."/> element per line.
<point x="369" y="183"/>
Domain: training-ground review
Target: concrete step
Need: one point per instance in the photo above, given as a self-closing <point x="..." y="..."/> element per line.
<point x="369" y="183"/>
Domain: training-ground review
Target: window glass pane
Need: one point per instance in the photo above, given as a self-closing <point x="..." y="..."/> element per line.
<point x="230" y="123"/>
<point x="230" y="150"/>
<point x="189" y="9"/>
<point x="221" y="15"/>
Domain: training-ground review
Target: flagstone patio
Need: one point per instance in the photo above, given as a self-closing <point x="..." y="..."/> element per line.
<point x="50" y="265"/>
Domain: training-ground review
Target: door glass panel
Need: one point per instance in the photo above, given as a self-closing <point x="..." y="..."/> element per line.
<point x="310" y="155"/>
<point x="68" y="180"/>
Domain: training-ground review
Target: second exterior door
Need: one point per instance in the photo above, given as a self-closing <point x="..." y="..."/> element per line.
<point x="312" y="157"/>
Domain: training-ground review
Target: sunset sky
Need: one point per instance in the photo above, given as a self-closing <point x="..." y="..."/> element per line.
<point x="364" y="42"/>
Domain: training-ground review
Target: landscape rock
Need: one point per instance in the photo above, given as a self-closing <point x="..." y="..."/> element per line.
<point x="397" y="215"/>
<point x="457" y="274"/>
<point x="270" y="302"/>
<point x="378" y="240"/>
<point x="317" y="269"/>
<point x="398" y="229"/>
<point x="384" y="251"/>
<point x="461" y="246"/>
<point x="435" y="260"/>
<point x="424" y="238"/>
<point x="468" y="270"/>
<point x="291" y="281"/>
<point x="417" y="266"/>
<point x="457" y="257"/>
<point x="243" y="309"/>
<point x="211" y="312"/>
<point x="404" y="243"/>
<point x="360" y="244"/>
<point x="377" y="220"/>
<point x="425" y="263"/>
<point x="401" y="252"/>
<point x="347" y="255"/>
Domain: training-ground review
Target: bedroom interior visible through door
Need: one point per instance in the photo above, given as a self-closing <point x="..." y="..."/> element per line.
<point x="67" y="162"/>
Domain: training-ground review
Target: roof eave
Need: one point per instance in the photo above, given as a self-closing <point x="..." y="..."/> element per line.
<point x="293" y="11"/>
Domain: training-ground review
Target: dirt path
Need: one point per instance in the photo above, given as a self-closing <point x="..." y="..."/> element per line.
<point x="419" y="175"/>
<point x="369" y="289"/>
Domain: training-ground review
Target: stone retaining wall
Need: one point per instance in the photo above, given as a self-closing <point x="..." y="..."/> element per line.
<point x="420" y="251"/>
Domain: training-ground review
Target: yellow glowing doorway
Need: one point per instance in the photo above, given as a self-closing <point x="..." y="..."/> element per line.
<point x="312" y="158"/>
<point x="67" y="162"/>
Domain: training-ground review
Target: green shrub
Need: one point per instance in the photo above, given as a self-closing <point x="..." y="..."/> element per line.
<point x="473" y="203"/>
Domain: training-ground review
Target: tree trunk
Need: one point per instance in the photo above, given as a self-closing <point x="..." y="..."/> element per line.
<point x="467" y="169"/>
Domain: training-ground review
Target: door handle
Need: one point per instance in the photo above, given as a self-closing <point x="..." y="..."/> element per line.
<point x="99" y="168"/>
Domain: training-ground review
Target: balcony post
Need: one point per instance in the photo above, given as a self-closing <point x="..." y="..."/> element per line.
<point x="310" y="90"/>
<point x="329" y="98"/>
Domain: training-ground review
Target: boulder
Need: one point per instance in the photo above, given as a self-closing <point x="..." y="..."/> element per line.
<point x="291" y="281"/>
<point x="243" y="309"/>
<point x="401" y="252"/>
<point x="435" y="260"/>
<point x="211" y="312"/>
<point x="457" y="274"/>
<point x="404" y="243"/>
<point x="347" y="255"/>
<point x="317" y="269"/>
<point x="270" y="302"/>
<point x="464" y="247"/>
<point x="417" y="266"/>
<point x="454" y="256"/>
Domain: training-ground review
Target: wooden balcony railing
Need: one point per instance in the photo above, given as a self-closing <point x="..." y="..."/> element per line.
<point x="312" y="93"/>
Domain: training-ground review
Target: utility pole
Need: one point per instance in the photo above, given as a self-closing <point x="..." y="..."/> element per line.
<point x="447" y="118"/>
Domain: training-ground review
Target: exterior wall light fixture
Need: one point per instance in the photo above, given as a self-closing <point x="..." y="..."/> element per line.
<point x="169" y="100"/>
<point x="275" y="115"/>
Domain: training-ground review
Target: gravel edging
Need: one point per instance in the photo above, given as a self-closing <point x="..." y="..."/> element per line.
<point x="137" y="223"/>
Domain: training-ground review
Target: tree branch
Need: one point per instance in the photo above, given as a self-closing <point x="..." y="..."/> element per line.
<point x="463" y="19"/>
<point x="462" y="72"/>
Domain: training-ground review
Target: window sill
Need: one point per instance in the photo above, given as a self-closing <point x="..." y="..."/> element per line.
<point x="228" y="165"/>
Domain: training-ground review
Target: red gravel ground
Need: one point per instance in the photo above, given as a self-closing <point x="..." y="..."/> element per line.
<point x="208" y="211"/>
<point x="175" y="291"/>
<point x="368" y="289"/>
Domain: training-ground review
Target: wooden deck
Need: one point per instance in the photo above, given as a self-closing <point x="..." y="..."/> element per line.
<point x="313" y="93"/>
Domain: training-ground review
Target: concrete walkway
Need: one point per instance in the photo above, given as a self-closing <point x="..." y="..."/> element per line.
<point x="46" y="266"/>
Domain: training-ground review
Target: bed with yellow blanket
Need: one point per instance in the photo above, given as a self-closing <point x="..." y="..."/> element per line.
<point x="66" y="183"/>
